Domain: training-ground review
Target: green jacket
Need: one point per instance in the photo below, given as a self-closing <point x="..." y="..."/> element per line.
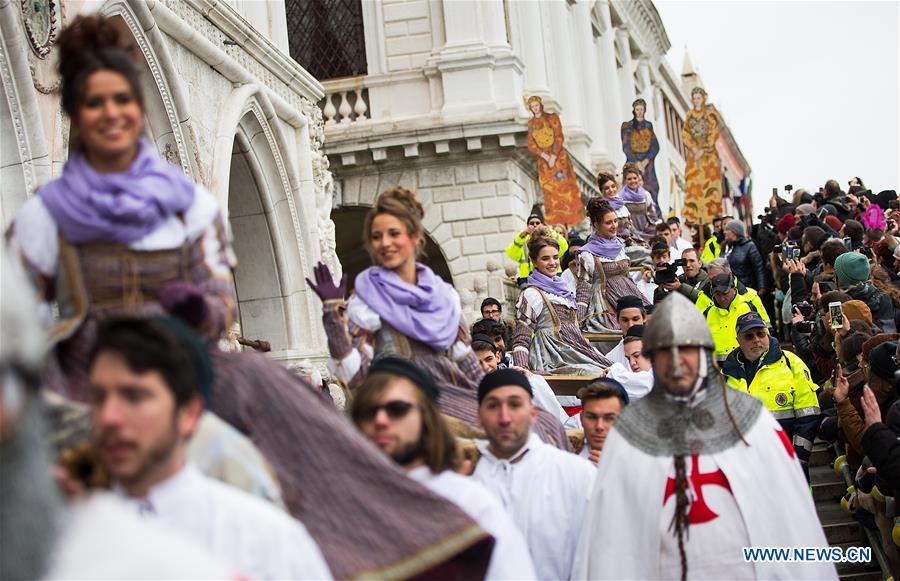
<point x="517" y="251"/>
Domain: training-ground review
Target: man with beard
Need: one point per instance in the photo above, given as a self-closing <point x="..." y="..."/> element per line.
<point x="396" y="409"/>
<point x="679" y="489"/>
<point x="146" y="377"/>
<point x="544" y="489"/>
<point x="41" y="537"/>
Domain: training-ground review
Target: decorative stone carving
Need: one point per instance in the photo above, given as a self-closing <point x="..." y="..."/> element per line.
<point x="42" y="23"/>
<point x="324" y="185"/>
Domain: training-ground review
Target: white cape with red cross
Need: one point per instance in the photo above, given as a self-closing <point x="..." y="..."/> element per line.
<point x="633" y="502"/>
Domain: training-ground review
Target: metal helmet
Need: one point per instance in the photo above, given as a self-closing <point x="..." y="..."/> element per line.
<point x="677" y="322"/>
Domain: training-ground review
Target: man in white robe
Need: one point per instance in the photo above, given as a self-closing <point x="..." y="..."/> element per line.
<point x="396" y="408"/>
<point x="601" y="403"/>
<point x="695" y="472"/>
<point x="544" y="489"/>
<point x="629" y="312"/>
<point x="637" y="377"/>
<point x="146" y="377"/>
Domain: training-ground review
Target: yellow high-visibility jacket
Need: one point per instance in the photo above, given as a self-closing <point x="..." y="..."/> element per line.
<point x="518" y="251"/>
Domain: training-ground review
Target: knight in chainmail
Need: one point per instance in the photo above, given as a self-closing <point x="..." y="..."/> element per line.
<point x="694" y="473"/>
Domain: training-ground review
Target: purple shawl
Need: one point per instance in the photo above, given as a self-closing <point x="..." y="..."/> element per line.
<point x="616" y="202"/>
<point x="117" y="207"/>
<point x="608" y="248"/>
<point x="629" y="195"/>
<point x="427" y="311"/>
<point x="555" y="286"/>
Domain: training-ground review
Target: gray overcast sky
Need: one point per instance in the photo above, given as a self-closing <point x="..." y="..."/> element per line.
<point x="809" y="89"/>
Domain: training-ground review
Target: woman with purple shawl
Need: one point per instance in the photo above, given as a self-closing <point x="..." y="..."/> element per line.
<point x="640" y="204"/>
<point x="601" y="275"/>
<point x="401" y="307"/>
<point x="123" y="232"/>
<point x="609" y="189"/>
<point x="547" y="339"/>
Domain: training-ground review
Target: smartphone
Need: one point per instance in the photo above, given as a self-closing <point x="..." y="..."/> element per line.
<point x="837" y="315"/>
<point x="795" y="253"/>
<point x="848" y="244"/>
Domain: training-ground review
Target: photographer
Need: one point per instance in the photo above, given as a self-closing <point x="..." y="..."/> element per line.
<point x="665" y="273"/>
<point x="694" y="279"/>
<point x="802" y="280"/>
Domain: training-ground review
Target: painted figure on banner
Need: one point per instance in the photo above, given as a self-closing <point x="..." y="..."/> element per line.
<point x="640" y="146"/>
<point x="562" y="199"/>
<point x="703" y="173"/>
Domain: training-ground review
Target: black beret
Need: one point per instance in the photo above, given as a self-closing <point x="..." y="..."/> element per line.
<point x="881" y="360"/>
<point x="483" y="338"/>
<point x="635" y="331"/>
<point x="629" y="302"/>
<point x="502" y="378"/>
<point x="404" y="367"/>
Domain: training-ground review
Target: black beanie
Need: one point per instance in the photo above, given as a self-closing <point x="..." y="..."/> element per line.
<point x="502" y="378"/>
<point x="406" y="368"/>
<point x="881" y="360"/>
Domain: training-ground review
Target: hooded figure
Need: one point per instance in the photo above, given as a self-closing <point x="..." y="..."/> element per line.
<point x="678" y="491"/>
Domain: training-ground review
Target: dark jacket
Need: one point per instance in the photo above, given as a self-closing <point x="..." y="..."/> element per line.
<point x="883" y="449"/>
<point x="691" y="287"/>
<point x="747" y="263"/>
<point x="879" y="303"/>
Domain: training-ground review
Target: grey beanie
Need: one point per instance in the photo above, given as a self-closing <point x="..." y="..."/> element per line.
<point x="737" y="227"/>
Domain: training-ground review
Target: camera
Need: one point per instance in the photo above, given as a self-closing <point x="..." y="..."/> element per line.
<point x="805" y="326"/>
<point x="667" y="272"/>
<point x="803" y="308"/>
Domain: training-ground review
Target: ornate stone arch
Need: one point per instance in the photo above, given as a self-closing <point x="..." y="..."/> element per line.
<point x="272" y="237"/>
<point x="24" y="157"/>
<point x="166" y="111"/>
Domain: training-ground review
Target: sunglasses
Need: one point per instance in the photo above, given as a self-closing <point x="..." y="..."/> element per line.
<point x="395" y="410"/>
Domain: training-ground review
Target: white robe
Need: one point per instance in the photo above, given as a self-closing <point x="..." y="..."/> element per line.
<point x="102" y="538"/>
<point x="510" y="559"/>
<point x="249" y="535"/>
<point x="628" y="518"/>
<point x="636" y="383"/>
<point x="546" y="492"/>
<point x="545" y="398"/>
<point x="617" y="353"/>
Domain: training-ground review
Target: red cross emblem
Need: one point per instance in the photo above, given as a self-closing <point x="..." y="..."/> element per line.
<point x="786" y="442"/>
<point x="699" y="512"/>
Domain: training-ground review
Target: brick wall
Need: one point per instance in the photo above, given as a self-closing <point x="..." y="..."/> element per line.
<point x="407" y="33"/>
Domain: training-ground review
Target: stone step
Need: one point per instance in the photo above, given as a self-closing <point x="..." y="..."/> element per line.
<point x="831" y="513"/>
<point x="861" y="576"/>
<point x="847" y="532"/>
<point x="829" y="491"/>
<point x="821" y="456"/>
<point x="850" y="568"/>
<point x="824" y="474"/>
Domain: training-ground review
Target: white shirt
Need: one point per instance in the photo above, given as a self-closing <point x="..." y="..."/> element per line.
<point x="678" y="246"/>
<point x="249" y="535"/>
<point x="545" y="398"/>
<point x="546" y="491"/>
<point x="569" y="277"/>
<point x="617" y="353"/>
<point x="510" y="559"/>
<point x="636" y="383"/>
<point x="104" y="539"/>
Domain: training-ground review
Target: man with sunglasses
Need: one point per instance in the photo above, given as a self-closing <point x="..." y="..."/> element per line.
<point x="396" y="409"/>
<point x="779" y="379"/>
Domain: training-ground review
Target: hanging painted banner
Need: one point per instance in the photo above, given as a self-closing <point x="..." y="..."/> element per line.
<point x="703" y="170"/>
<point x="562" y="199"/>
<point x="640" y="146"/>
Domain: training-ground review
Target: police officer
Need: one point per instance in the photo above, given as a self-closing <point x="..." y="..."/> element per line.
<point x="778" y="378"/>
<point x="722" y="311"/>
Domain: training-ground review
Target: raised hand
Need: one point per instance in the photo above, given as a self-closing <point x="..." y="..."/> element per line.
<point x="324" y="285"/>
<point x="870" y="407"/>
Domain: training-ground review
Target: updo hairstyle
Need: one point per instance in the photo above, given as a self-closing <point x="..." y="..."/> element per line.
<point x="603" y="178"/>
<point x="87" y="45"/>
<point x="598" y="207"/>
<point x="539" y="239"/>
<point x="631" y="168"/>
<point x="402" y="204"/>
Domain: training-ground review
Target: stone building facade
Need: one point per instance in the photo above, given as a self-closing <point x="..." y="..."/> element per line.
<point x="226" y="102"/>
<point x="440" y="110"/>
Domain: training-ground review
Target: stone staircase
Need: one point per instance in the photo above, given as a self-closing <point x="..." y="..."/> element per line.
<point x="841" y="529"/>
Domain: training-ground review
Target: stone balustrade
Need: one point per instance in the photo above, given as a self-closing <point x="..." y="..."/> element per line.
<point x="346" y="101"/>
